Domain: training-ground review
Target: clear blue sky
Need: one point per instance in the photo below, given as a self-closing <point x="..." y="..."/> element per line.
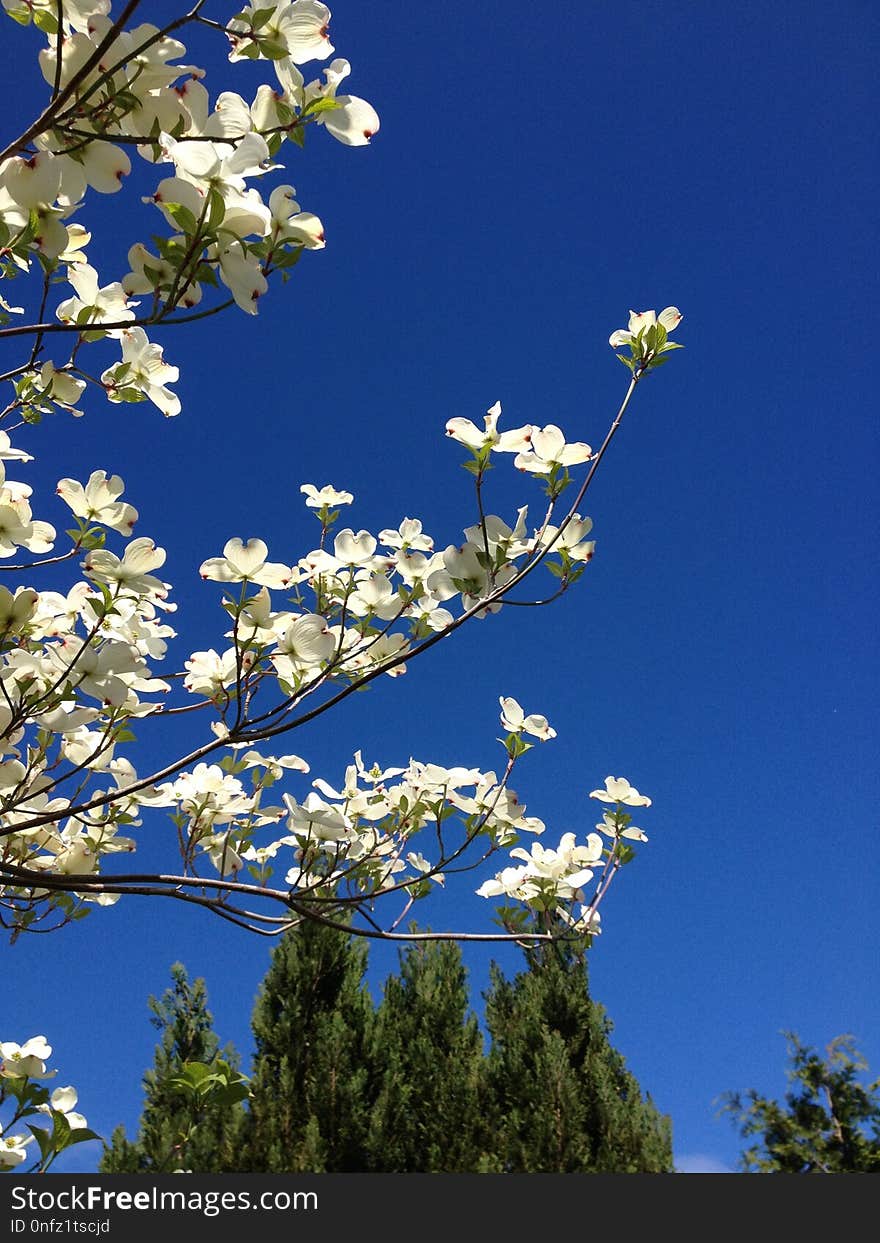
<point x="538" y="172"/>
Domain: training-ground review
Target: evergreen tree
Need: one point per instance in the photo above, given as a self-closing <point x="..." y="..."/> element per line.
<point x="828" y="1124"/>
<point x="175" y="1131"/>
<point x="309" y="1107"/>
<point x="428" y="1061"/>
<point x="561" y="1098"/>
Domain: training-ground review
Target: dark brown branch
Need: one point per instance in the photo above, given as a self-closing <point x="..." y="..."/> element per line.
<point x="53" y="108"/>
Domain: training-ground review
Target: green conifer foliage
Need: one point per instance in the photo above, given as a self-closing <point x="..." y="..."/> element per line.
<point x="310" y="1084"/>
<point x="561" y="1098"/>
<point x="173" y="1134"/>
<point x="427" y="1055"/>
<point x="340" y="1086"/>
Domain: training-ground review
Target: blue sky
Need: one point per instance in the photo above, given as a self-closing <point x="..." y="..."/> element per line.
<point x="537" y="173"/>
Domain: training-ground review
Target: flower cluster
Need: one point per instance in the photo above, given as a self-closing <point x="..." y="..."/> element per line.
<point x="553" y="881"/>
<point x="118" y="91"/>
<point x="77" y="670"/>
<point x="51" y="1119"/>
<point x="364" y="602"/>
<point x="647" y="338"/>
<point x="78" y="673"/>
<point x="357" y="837"/>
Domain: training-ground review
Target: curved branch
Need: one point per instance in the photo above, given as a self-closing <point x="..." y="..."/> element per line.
<point x="23" y="330"/>
<point x="53" y="108"/>
<point x="171" y="887"/>
<point x="36" y="565"/>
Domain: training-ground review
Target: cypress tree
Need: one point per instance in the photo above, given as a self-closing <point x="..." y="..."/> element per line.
<point x="172" y="1133"/>
<point x="428" y="1057"/>
<point x="309" y="1105"/>
<point x="561" y="1099"/>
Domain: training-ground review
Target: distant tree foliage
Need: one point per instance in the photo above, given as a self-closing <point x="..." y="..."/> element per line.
<point x="342" y="1085"/>
<point x="561" y="1098"/>
<point x="829" y="1122"/>
<point x="172" y="1134"/>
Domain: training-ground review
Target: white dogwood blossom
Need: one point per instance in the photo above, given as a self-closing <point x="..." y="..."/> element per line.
<point x="143" y="370"/>
<point x="246" y="562"/>
<point x="49" y="1121"/>
<point x="467" y="433"/>
<point x="62" y="1101"/>
<point x="318" y="498"/>
<point x="27" y="1060"/>
<point x="547" y="448"/>
<point x="610" y="827"/>
<point x="131" y="571"/>
<point x="570" y="538"/>
<point x="514" y="719"/>
<point x="93" y="305"/>
<point x="640" y="320"/>
<point x="619" y="790"/>
<point x="13" y="1149"/>
<point x="647" y="338"/>
<point x="99" y="501"/>
<point x="59" y="388"/>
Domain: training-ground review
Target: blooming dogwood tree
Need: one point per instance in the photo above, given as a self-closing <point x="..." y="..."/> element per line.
<point x="259" y="841"/>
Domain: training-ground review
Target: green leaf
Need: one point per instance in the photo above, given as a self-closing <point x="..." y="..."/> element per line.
<point x="44" y="1140"/>
<point x="93" y="538"/>
<point x="46" y="21"/>
<point x="153" y="275"/>
<point x="22" y="15"/>
<point x="216" y="209"/>
<point x="326" y="103"/>
<point x="182" y="217"/>
<point x="285" y="112"/>
<point x="260" y="17"/>
<point x="230" y="1094"/>
<point x="288" y="259"/>
<point x="47" y="263"/>
<point x="193" y="1074"/>
<point x="516" y="746"/>
<point x="61" y="1129"/>
<point x="80" y="1135"/>
<point x="274" y="49"/>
